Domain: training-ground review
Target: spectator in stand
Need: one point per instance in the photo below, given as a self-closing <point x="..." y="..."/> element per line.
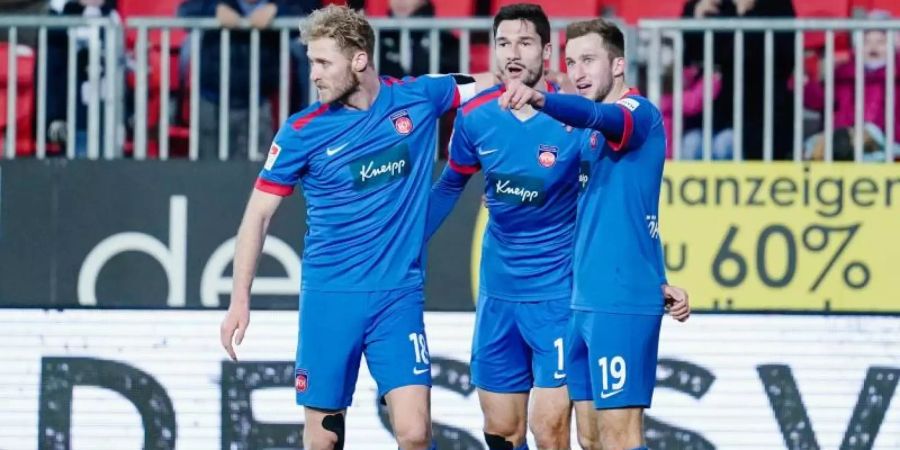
<point x="753" y="81"/>
<point x="692" y="110"/>
<point x="420" y="49"/>
<point x="230" y="13"/>
<point x="875" y="59"/>
<point x="57" y="63"/>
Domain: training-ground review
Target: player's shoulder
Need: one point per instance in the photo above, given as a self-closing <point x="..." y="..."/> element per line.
<point x="633" y="100"/>
<point x="483" y="98"/>
<point x="305" y="118"/>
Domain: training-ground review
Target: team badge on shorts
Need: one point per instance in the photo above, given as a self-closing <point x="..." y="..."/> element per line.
<point x="301" y="381"/>
<point x="402" y="123"/>
<point x="595" y="139"/>
<point x="547" y="155"/>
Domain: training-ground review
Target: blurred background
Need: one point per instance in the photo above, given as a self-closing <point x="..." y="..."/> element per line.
<point x="131" y="132"/>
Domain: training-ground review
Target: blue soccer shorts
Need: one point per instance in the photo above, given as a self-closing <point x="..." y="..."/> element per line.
<point x="337" y="328"/>
<point x="519" y="345"/>
<point x="612" y="358"/>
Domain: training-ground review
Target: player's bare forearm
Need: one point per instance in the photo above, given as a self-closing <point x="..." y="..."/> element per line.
<point x="250" y="239"/>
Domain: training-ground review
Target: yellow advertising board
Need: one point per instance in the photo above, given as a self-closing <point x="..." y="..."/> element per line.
<point x="783" y="236"/>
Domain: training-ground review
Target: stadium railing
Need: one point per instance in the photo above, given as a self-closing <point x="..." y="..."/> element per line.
<point x="676" y="29"/>
<point x="111" y="135"/>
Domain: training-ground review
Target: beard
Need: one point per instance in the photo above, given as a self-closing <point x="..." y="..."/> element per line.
<point x="529" y="76"/>
<point x="339" y="89"/>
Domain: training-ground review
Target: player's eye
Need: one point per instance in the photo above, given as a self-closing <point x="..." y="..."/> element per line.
<point x="570" y="63"/>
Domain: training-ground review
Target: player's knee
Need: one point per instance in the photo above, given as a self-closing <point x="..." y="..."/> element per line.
<point x="414" y="436"/>
<point x="550" y="432"/>
<point x="501" y="431"/>
<point x="329" y="437"/>
<point x="618" y="439"/>
<point x="589" y="441"/>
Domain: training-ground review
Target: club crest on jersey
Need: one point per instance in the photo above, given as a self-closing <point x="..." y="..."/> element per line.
<point x="301" y="380"/>
<point x="402" y="122"/>
<point x="274" y="151"/>
<point x="547" y="155"/>
<point x="595" y="139"/>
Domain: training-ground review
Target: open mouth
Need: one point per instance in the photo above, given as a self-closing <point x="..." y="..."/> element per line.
<point x="515" y="71"/>
<point x="583" y="86"/>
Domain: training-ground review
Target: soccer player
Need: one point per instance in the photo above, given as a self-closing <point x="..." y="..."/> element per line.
<point x="620" y="291"/>
<point x="364" y="157"/>
<point x="530" y="163"/>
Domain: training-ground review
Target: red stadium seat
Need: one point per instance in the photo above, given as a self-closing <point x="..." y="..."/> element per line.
<point x="557" y="8"/>
<point x="24" y="120"/>
<point x="632" y="11"/>
<point x="815" y="40"/>
<point x="891" y="6"/>
<point x="158" y="8"/>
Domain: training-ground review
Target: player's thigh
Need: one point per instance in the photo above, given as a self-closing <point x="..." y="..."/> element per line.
<point x="620" y="428"/>
<point x="543" y="326"/>
<point x="578" y="371"/>
<point x="587" y="425"/>
<point x="505" y="414"/>
<point x="551" y="416"/>
<point x="329" y="348"/>
<point x="324" y="429"/>
<point x="396" y="346"/>
<point x="623" y="355"/>
<point x="501" y="359"/>
<point x="409" y="410"/>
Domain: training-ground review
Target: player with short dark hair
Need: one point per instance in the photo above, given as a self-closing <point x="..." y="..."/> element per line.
<point x="620" y="289"/>
<point x="530" y="163"/>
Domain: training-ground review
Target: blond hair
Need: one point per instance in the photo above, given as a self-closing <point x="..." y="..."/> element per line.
<point x="347" y="27"/>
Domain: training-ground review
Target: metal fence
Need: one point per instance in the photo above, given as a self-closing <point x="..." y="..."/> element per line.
<point x="110" y="116"/>
<point x="769" y="27"/>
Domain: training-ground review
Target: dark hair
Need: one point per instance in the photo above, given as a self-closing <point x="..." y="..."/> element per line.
<point x="613" y="39"/>
<point x="525" y="11"/>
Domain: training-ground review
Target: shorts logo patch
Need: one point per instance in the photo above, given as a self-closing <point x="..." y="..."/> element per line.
<point x="301" y="381"/>
<point x="274" y="151"/>
<point x="547" y="155"/>
<point x="595" y="139"/>
<point x="402" y="122"/>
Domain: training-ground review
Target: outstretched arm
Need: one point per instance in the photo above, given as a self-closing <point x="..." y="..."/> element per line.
<point x="250" y="238"/>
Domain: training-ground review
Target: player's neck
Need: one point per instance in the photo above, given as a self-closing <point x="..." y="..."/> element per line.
<point x="365" y="94"/>
<point x="618" y="91"/>
<point x="527" y="111"/>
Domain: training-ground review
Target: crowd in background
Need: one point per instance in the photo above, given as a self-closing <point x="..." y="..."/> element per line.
<point x="260" y="13"/>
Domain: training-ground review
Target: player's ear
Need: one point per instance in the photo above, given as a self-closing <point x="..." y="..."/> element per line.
<point x="618" y="67"/>
<point x="548" y="51"/>
<point x="360" y="61"/>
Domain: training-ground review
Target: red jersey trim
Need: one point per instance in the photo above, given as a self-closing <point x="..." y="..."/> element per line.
<point x="465" y="170"/>
<point x="626" y="133"/>
<point x="305" y="120"/>
<point x="273" y="188"/>
<point x="478" y="101"/>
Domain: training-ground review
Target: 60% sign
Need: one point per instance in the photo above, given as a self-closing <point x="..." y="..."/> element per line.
<point x="829" y="240"/>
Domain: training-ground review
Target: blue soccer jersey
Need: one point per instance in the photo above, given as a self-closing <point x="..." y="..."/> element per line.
<point x="618" y="255"/>
<point x="365" y="177"/>
<point x="531" y="185"/>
